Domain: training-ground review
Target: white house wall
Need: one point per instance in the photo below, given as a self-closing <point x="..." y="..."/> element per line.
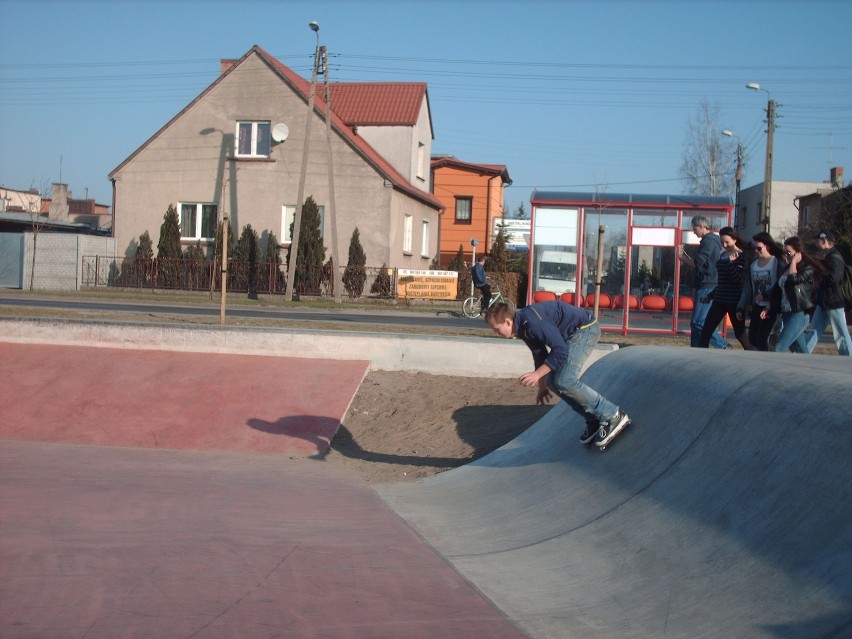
<point x="184" y="163"/>
<point x="783" y="214"/>
<point x="399" y="145"/>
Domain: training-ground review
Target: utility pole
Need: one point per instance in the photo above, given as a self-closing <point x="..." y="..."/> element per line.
<point x="336" y="280"/>
<point x="767" y="178"/>
<point x="770" y="136"/>
<point x="297" y="222"/>
<point x="739" y="174"/>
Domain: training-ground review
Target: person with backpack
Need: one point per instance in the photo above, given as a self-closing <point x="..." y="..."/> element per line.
<point x="830" y="300"/>
<point x="480" y="281"/>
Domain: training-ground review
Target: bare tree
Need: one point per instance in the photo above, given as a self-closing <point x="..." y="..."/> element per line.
<point x="33" y="205"/>
<point x="707" y="154"/>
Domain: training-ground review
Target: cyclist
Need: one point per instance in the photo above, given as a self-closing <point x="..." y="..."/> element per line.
<point x="477" y="273"/>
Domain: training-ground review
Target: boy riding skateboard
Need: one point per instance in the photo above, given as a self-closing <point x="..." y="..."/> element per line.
<point x="561" y="338"/>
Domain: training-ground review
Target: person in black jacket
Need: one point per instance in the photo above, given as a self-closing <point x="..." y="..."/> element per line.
<point x="705" y="279"/>
<point x="480" y="281"/>
<point x="829" y="300"/>
<point x="731" y="269"/>
<point x="794" y="298"/>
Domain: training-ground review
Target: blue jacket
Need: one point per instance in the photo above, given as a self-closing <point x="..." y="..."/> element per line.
<point x="478" y="275"/>
<point x="546" y="327"/>
<point x="708" y="254"/>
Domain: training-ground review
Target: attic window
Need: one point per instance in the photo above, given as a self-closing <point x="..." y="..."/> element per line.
<point x="253" y="139"/>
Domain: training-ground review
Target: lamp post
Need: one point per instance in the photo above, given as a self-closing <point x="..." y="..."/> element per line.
<point x="474" y="243"/>
<point x="770" y="135"/>
<point x="297" y="220"/>
<point x="739" y="174"/>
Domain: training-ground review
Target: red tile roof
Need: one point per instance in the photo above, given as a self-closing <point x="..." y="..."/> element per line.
<point x="378" y="103"/>
<point x="373" y="157"/>
<point x="303" y="87"/>
<point x="488" y="169"/>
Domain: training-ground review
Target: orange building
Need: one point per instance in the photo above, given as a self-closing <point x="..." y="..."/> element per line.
<point x="473" y="197"/>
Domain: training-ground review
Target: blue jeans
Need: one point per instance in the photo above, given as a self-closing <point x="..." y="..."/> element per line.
<point x="566" y="383"/>
<point x="822" y="318"/>
<point x="793" y="325"/>
<point x="696" y="323"/>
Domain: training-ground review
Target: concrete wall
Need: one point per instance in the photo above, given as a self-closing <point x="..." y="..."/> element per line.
<point x="59" y="259"/>
<point x="438" y="355"/>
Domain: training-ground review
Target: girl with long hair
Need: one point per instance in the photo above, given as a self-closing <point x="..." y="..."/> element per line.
<point x="757" y="290"/>
<point x="731" y="269"/>
<point x="796" y="287"/>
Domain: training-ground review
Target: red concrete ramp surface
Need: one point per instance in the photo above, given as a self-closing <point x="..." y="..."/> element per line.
<point x="174" y="400"/>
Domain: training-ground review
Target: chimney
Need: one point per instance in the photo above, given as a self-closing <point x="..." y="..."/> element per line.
<point x="59" y="196"/>
<point x="836" y="177"/>
<point x="225" y="65"/>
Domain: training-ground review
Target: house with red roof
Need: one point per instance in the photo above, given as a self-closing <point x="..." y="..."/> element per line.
<point x="237" y="150"/>
<point x="472" y="195"/>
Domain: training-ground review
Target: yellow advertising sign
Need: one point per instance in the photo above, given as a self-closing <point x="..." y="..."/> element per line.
<point x="434" y="285"/>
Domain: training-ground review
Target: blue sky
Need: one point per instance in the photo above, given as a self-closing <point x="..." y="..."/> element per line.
<point x="578" y="96"/>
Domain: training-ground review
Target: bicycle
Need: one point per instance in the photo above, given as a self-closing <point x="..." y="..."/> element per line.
<point x="472" y="306"/>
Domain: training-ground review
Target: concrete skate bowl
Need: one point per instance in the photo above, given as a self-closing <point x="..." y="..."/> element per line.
<point x="723" y="511"/>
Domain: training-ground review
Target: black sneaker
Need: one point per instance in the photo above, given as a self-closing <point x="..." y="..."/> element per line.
<point x="611" y="428"/>
<point x="592" y="426"/>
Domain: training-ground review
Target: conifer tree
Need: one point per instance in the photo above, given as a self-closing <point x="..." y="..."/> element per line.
<point x="355" y="274"/>
<point x="145" y="249"/>
<point x="273" y="261"/>
<point x="169" y="250"/>
<point x="168" y="246"/>
<point x="248" y="258"/>
<point x="311" y="252"/>
<point x="457" y="263"/>
<point x="382" y="284"/>
<point x="499" y="258"/>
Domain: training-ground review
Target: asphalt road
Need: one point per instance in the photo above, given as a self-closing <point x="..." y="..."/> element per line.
<point x="425" y="318"/>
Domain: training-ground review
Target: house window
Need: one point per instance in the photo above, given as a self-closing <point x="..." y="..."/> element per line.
<point x="198" y="221"/>
<point x="406" y="235"/>
<point x="464" y="205"/>
<point x="421" y="160"/>
<point x="288" y="216"/>
<point x="424" y="244"/>
<point x="806" y="213"/>
<point x="253" y="139"/>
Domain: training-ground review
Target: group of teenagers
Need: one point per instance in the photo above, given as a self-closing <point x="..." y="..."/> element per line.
<point x="792" y="290"/>
<point x="792" y="286"/>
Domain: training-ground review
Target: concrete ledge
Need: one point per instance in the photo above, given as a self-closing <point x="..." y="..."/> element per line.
<point x="438" y="355"/>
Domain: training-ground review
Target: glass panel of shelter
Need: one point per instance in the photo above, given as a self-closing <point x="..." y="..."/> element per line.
<point x="660" y="296"/>
<point x="613" y="265"/>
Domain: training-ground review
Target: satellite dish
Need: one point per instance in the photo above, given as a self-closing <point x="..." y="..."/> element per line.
<point x="280" y="132"/>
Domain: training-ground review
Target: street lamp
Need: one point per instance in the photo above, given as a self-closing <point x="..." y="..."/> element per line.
<point x="739" y="175"/>
<point x="770" y="135"/>
<point x="474" y="243"/>
<point x="297" y="221"/>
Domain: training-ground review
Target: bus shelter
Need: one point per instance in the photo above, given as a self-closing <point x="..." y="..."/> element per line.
<point x="644" y="287"/>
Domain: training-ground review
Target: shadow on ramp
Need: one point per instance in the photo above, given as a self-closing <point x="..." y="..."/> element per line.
<point x="723" y="511"/>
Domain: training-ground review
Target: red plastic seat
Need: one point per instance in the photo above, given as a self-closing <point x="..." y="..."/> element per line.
<point x="544" y="296"/>
<point x="653" y="303"/>
<point x="572" y="298"/>
<point x="685" y="304"/>
<point x="633" y="301"/>
<point x="606" y="301"/>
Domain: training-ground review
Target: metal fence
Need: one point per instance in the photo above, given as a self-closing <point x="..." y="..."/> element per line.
<point x="269" y="279"/>
<point x="206" y="275"/>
